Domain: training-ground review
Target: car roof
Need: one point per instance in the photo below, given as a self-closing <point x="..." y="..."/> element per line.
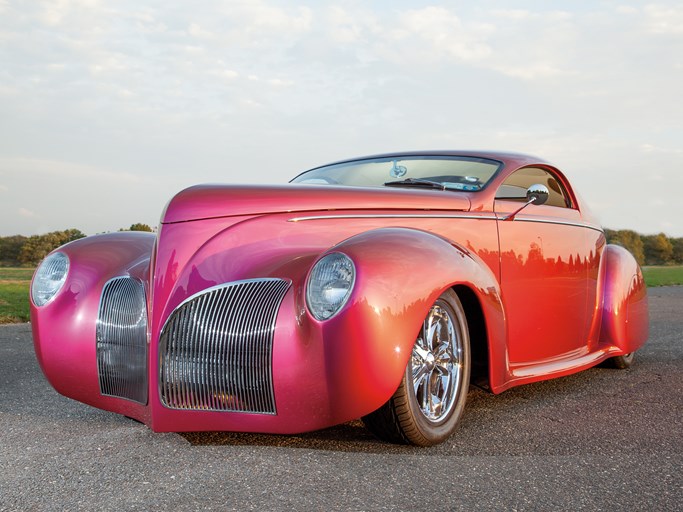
<point x="510" y="159"/>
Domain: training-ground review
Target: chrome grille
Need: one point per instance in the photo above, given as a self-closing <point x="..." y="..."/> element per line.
<point x="122" y="340"/>
<point x="216" y="349"/>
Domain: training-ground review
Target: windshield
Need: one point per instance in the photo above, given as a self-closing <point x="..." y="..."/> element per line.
<point x="454" y="172"/>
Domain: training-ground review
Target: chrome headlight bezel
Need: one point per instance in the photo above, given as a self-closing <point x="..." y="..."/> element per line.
<point x="329" y="285"/>
<point x="49" y="278"/>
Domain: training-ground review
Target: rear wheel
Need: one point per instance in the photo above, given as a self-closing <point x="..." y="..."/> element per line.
<point x="620" y="362"/>
<point x="428" y="403"/>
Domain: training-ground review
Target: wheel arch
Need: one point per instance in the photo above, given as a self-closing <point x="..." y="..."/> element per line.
<point x="479" y="339"/>
<point x="384" y="313"/>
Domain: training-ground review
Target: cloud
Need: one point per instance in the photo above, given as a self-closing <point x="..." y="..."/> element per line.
<point x="29" y="214"/>
<point x="533" y="72"/>
<point x="277" y="82"/>
<point x="433" y="34"/>
<point x="256" y="23"/>
<point x="512" y="14"/>
<point x="436" y="35"/>
<point x="71" y="170"/>
<point x="197" y="31"/>
<point x="260" y="17"/>
<point x="151" y="97"/>
<point x="8" y="91"/>
<point x="650" y="148"/>
<point x="344" y="28"/>
<point x="664" y="20"/>
<point x="249" y="103"/>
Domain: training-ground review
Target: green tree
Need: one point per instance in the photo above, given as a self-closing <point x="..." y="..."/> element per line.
<point x="10" y="246"/>
<point x="658" y="249"/>
<point x="140" y="227"/>
<point x="36" y="247"/>
<point x="629" y="240"/>
<point x="677" y="256"/>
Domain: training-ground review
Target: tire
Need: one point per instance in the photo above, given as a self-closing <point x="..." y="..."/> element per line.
<point x="619" y="362"/>
<point x="428" y="403"/>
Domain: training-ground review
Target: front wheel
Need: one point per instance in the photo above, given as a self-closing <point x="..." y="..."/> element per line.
<point x="428" y="403"/>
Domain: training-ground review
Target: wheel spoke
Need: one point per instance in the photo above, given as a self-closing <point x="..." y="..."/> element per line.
<point x="426" y="396"/>
<point x="420" y="374"/>
<point x="432" y="398"/>
<point x="436" y="362"/>
<point x="446" y="387"/>
<point x="444" y="357"/>
<point x="420" y="354"/>
<point x="435" y="406"/>
<point x="430" y="331"/>
<point x="438" y="394"/>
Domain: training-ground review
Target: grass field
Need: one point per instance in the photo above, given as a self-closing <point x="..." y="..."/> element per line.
<point x="15" y="284"/>
<point x="663" y="276"/>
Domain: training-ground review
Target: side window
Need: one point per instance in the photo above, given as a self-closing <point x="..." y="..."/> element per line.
<point x="514" y="188"/>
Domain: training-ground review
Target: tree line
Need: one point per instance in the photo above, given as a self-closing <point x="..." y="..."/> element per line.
<point x="648" y="249"/>
<point x="20" y="250"/>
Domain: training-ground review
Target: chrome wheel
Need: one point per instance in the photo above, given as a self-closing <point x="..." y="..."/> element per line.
<point x="428" y="403"/>
<point x="437" y="363"/>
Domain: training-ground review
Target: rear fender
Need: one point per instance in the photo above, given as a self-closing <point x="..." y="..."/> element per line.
<point x="625" y="308"/>
<point x="400" y="273"/>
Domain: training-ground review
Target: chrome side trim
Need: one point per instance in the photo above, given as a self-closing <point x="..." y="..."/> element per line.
<point x="485" y="216"/>
<point x="121" y="334"/>
<point x="397" y="216"/>
<point x="215" y="350"/>
<point x="557" y="222"/>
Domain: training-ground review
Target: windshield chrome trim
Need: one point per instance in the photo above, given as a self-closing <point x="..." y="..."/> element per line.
<point x="491" y="158"/>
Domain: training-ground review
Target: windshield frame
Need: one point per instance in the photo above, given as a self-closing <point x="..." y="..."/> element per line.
<point x="387" y="158"/>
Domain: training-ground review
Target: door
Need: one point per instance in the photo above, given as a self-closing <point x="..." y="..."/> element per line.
<point x="544" y="268"/>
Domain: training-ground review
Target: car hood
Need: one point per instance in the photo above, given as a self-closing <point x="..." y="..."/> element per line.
<point x="213" y="201"/>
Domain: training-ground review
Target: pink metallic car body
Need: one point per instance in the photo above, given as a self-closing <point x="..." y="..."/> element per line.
<point x="543" y="293"/>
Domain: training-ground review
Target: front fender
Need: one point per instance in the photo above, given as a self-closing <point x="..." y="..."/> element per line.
<point x="64" y="330"/>
<point x="400" y="273"/>
<point x="625" y="309"/>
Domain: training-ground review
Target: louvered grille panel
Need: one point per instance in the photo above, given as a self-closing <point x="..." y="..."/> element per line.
<point x="216" y="349"/>
<point x="122" y="340"/>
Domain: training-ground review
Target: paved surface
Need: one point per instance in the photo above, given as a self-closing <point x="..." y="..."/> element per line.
<point x="599" y="440"/>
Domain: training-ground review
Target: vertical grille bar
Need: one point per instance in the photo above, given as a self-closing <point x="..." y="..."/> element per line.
<point x="122" y="340"/>
<point x="216" y="349"/>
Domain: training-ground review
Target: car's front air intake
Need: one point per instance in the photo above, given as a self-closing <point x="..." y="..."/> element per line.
<point x="122" y="340"/>
<point x="215" y="350"/>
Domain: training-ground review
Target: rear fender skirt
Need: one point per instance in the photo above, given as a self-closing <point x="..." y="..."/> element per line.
<point x="400" y="272"/>
<point x="625" y="308"/>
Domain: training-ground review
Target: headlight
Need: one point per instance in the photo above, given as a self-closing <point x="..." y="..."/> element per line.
<point x="49" y="278"/>
<point x="329" y="285"/>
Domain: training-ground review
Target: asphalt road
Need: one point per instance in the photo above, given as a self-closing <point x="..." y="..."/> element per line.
<point x="599" y="440"/>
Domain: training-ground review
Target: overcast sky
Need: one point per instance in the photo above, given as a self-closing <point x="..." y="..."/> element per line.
<point x="108" y="108"/>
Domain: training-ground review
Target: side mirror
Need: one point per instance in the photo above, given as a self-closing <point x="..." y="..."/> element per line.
<point x="536" y="194"/>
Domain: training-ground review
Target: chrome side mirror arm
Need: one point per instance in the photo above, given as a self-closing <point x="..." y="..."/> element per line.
<point x="536" y="194"/>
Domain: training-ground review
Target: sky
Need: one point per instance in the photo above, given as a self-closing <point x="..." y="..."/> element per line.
<point x="109" y="108"/>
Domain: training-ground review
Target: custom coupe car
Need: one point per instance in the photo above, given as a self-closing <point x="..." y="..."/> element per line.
<point x="377" y="288"/>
